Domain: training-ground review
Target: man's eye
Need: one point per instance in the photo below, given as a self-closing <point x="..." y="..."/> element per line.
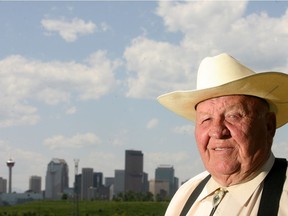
<point x="205" y="120"/>
<point x="233" y="117"/>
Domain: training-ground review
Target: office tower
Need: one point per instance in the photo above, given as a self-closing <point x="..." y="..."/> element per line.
<point x="97" y="179"/>
<point x="99" y="191"/>
<point x="145" y="182"/>
<point x="86" y="182"/>
<point x="10" y="163"/>
<point x="176" y="184"/>
<point x="3" y="185"/>
<point x="109" y="181"/>
<point x="119" y="181"/>
<point x="159" y="189"/>
<point x="77" y="184"/>
<point x="56" y="179"/>
<point x="134" y="171"/>
<point x="166" y="173"/>
<point x="35" y="184"/>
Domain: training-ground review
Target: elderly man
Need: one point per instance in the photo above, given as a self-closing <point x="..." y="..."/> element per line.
<point x="236" y="112"/>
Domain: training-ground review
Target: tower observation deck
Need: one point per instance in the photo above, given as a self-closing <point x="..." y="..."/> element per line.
<point x="10" y="163"/>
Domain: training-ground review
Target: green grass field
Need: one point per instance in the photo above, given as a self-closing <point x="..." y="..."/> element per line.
<point x="86" y="208"/>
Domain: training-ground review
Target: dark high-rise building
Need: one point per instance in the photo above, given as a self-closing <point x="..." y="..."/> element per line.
<point x="35" y="184"/>
<point x="3" y="185"/>
<point x="109" y="181"/>
<point x="97" y="179"/>
<point x="86" y="183"/>
<point x="145" y="182"/>
<point x="119" y="181"/>
<point x="56" y="179"/>
<point x="134" y="180"/>
<point x="77" y="185"/>
<point x="166" y="173"/>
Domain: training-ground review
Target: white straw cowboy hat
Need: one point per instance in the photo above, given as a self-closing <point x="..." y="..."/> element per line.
<point x="223" y="75"/>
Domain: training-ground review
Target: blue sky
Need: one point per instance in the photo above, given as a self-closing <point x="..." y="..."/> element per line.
<point x="80" y="79"/>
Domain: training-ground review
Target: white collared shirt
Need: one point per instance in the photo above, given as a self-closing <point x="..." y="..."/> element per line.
<point x="241" y="199"/>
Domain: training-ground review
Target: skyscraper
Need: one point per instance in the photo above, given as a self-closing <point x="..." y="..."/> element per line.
<point x="109" y="181"/>
<point x="77" y="185"/>
<point x="134" y="180"/>
<point x="166" y="173"/>
<point x="56" y="179"/>
<point x="159" y="189"/>
<point x="3" y="185"/>
<point x="35" y="184"/>
<point x="97" y="179"/>
<point x="86" y="182"/>
<point x="119" y="182"/>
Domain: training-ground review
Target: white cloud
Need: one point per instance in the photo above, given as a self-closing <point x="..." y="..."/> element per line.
<point x="200" y="16"/>
<point x="152" y="123"/>
<point x="16" y="119"/>
<point x="154" y="66"/>
<point x="117" y="142"/>
<point x="70" y="30"/>
<point x="119" y="138"/>
<point x="24" y="80"/>
<point x="53" y="96"/>
<point x="71" y="110"/>
<point x="185" y="129"/>
<point x="77" y="141"/>
<point x="103" y="27"/>
<point x="208" y="28"/>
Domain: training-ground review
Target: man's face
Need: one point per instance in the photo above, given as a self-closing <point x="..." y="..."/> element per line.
<point x="234" y="136"/>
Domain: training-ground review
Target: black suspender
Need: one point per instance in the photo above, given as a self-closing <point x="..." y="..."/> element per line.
<point x="194" y="196"/>
<point x="272" y="190"/>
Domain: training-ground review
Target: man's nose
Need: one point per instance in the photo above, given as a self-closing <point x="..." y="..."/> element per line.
<point x="219" y="130"/>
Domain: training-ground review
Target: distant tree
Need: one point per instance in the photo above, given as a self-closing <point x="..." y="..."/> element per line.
<point x="134" y="196"/>
<point x="64" y="196"/>
<point x="148" y="197"/>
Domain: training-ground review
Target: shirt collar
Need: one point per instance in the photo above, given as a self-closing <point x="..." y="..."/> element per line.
<point x="245" y="189"/>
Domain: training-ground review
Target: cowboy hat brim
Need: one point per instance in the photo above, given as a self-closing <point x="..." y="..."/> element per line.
<point x="271" y="86"/>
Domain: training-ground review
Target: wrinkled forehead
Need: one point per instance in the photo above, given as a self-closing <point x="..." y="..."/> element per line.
<point x="244" y="99"/>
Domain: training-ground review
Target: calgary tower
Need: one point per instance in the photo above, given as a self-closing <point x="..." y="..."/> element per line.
<point x="10" y="163"/>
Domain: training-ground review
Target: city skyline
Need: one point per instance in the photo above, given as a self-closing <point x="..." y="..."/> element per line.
<point x="90" y="184"/>
<point x="79" y="79"/>
<point x="88" y="169"/>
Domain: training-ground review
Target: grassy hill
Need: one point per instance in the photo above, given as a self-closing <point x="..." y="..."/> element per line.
<point x="85" y="208"/>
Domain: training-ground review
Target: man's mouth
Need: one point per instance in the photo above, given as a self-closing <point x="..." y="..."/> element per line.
<point x="221" y="148"/>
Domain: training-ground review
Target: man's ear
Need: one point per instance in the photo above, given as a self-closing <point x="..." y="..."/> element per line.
<point x="271" y="124"/>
